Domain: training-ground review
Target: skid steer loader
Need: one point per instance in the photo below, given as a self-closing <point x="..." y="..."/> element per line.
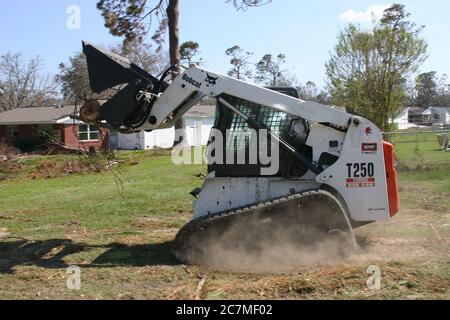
<point x="334" y="172"/>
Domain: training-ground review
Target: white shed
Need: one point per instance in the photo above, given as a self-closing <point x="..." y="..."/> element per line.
<point x="438" y="115"/>
<point x="401" y="120"/>
<point x="199" y="120"/>
<point x="404" y="119"/>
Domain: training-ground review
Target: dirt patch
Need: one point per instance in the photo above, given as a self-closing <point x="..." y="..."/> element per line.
<point x="7" y="165"/>
<point x="4" y="232"/>
<point x="8" y="152"/>
<point x="52" y="169"/>
<point x="150" y="222"/>
<point x="159" y="152"/>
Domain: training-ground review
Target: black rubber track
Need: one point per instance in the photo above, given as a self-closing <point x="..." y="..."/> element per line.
<point x="301" y="215"/>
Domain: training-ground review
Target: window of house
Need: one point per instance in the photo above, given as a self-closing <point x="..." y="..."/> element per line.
<point x="87" y="132"/>
<point x="45" y="127"/>
<point x="12" y="131"/>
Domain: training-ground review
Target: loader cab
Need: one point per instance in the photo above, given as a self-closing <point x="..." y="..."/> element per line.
<point x="238" y="139"/>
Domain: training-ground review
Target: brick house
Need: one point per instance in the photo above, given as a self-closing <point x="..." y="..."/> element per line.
<point x="24" y="124"/>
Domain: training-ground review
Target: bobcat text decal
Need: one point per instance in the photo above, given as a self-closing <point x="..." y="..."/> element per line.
<point x="191" y="81"/>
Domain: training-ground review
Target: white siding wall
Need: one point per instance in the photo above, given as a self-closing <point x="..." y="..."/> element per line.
<point x="162" y="138"/>
<point x="402" y="121"/>
<point x="197" y="131"/>
<point x="444" y="115"/>
<point x="130" y="141"/>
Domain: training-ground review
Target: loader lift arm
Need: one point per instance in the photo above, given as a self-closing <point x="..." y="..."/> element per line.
<point x="169" y="102"/>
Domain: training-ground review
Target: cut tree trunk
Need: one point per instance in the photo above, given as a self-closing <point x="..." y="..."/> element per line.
<point x="174" y="50"/>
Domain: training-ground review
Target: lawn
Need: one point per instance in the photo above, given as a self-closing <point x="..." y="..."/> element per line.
<point x="420" y="151"/>
<point x="117" y="226"/>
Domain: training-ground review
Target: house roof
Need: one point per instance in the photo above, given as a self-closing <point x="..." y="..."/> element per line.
<point x="430" y="109"/>
<point x="415" y="110"/>
<point x="401" y="111"/>
<point x="35" y="115"/>
<point x="201" y="111"/>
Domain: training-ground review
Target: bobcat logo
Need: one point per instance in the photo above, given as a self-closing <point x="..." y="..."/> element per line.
<point x="211" y="80"/>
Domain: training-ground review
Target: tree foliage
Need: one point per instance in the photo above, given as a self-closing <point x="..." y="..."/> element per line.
<point x="311" y="92"/>
<point x="426" y="89"/>
<point x="145" y="56"/>
<point x="124" y="18"/>
<point x="132" y="19"/>
<point x="74" y="79"/>
<point x="189" y="53"/>
<point x="22" y="84"/>
<point x="245" y="4"/>
<point x="308" y="91"/>
<point x="443" y="91"/>
<point x="240" y="61"/>
<point x="269" y="69"/>
<point x="368" y="70"/>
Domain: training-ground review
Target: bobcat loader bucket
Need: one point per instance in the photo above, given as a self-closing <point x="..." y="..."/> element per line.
<point x="108" y="70"/>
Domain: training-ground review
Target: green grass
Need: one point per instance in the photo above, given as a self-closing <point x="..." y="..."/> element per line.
<point x="423" y="153"/>
<point x="109" y="200"/>
<point x="422" y="165"/>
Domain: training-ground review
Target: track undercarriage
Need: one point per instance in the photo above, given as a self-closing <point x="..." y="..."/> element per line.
<point x="302" y="219"/>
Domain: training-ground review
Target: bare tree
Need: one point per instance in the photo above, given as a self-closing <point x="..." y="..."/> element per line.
<point x="21" y="83"/>
<point x="308" y="91"/>
<point x="145" y="56"/>
<point x="240" y="60"/>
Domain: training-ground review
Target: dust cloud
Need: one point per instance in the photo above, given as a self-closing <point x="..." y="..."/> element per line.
<point x="247" y="245"/>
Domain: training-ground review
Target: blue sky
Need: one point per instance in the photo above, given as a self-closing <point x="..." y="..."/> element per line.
<point x="305" y="31"/>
